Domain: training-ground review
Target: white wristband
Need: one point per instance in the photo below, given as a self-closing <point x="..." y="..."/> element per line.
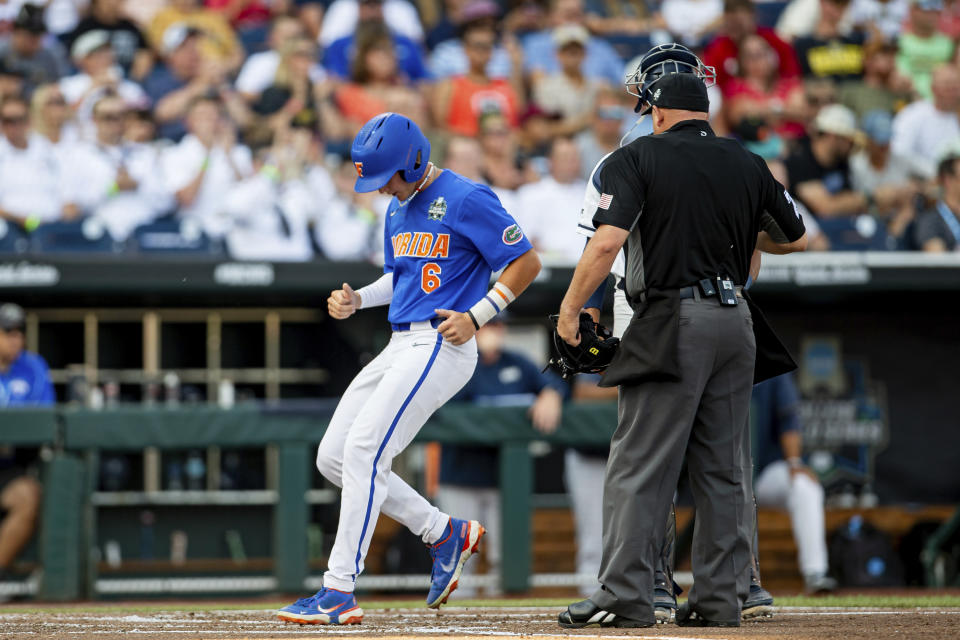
<point x="491" y="304"/>
<point x="377" y="293"/>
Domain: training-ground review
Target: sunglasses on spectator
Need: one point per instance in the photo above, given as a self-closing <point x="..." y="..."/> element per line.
<point x="111" y="116"/>
<point x="57" y="101"/>
<point x="12" y="120"/>
<point x="483" y="45"/>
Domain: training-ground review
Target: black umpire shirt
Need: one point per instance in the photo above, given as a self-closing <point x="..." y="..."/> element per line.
<point x="693" y="204"/>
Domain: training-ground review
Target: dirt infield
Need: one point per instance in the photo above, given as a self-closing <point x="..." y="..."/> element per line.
<point x="472" y="624"/>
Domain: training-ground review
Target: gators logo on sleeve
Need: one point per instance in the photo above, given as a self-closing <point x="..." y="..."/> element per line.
<point x="359" y="167"/>
<point x="512" y="234"/>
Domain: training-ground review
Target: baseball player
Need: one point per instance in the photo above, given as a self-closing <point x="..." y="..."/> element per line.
<point x="444" y="236"/>
<point x="660" y="59"/>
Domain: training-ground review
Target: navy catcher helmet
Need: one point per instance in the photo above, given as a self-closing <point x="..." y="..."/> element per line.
<point x="386" y="144"/>
<point x="660" y="61"/>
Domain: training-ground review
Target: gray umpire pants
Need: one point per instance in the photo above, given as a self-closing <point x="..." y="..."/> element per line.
<point x="704" y="417"/>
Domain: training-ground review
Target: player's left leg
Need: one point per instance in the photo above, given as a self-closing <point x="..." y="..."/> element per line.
<point x="426" y="372"/>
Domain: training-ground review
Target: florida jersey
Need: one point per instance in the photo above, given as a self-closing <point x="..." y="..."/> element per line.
<point x="26" y="382"/>
<point x="443" y="246"/>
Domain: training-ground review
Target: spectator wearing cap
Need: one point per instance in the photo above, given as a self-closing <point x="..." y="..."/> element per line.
<point x="603" y="135"/>
<point x="343" y="16"/>
<point x="183" y="77"/>
<point x="922" y="129"/>
<point x="340" y="56"/>
<point x="127" y="41"/>
<point x="205" y="166"/>
<point x="51" y="117"/>
<point x="98" y="74"/>
<point x="112" y="180"/>
<point x="449" y="57"/>
<point x="376" y="84"/>
<point x="890" y="181"/>
<point x="937" y="230"/>
<point x="818" y="169"/>
<point x="260" y="69"/>
<point x="692" y="21"/>
<point x="723" y="51"/>
<point x="828" y="52"/>
<point x="569" y="92"/>
<point x="26" y="52"/>
<point x="924" y="47"/>
<point x="882" y="87"/>
<point x="760" y="95"/>
<point x="219" y="45"/>
<point x="548" y="209"/>
<point x="601" y="61"/>
<point x="31" y="186"/>
<point x="461" y="100"/>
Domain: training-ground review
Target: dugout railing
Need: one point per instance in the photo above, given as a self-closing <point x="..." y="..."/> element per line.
<point x="69" y="552"/>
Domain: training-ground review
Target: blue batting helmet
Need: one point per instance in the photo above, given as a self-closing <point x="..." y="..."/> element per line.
<point x="388" y="143"/>
<point x="660" y="61"/>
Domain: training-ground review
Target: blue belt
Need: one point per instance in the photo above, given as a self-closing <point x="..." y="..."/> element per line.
<point x="406" y="326"/>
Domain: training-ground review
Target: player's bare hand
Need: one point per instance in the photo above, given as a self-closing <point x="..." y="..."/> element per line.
<point x="343" y="303"/>
<point x="546" y="410"/>
<point x="568" y="326"/>
<point x="805" y="471"/>
<point x="456" y="328"/>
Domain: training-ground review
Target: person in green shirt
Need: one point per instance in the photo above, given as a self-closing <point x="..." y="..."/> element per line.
<point x="882" y="86"/>
<point x="924" y="47"/>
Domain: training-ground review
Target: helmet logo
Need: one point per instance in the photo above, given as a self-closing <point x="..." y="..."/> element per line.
<point x="656" y="94"/>
<point x="359" y="166"/>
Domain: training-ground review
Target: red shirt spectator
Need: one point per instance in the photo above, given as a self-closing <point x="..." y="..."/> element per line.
<point x="739" y="21"/>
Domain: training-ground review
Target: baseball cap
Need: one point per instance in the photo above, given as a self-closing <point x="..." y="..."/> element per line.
<point x="878" y="125"/>
<point x="175" y="35"/>
<point x="30" y="18"/>
<point x="88" y="43"/>
<point x="929" y="5"/>
<point x="479" y="9"/>
<point x="680" y="91"/>
<point x="838" y="120"/>
<point x="12" y="317"/>
<point x="569" y="34"/>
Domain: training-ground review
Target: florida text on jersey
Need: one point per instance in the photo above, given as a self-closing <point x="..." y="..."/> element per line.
<point x="443" y="246"/>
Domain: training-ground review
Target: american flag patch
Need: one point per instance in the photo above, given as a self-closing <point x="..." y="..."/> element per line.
<point x="605" y="200"/>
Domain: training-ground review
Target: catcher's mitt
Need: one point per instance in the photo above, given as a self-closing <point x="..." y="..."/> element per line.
<point x="592" y="355"/>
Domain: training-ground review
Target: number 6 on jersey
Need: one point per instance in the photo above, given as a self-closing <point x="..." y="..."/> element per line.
<point x="430" y="277"/>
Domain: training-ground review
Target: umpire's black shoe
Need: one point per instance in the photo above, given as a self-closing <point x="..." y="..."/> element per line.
<point x="586" y="614"/>
<point x="688" y="617"/>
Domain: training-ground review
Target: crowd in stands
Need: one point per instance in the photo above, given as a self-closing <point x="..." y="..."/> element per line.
<point x="225" y="125"/>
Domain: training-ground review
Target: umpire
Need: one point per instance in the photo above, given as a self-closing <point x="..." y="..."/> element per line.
<point x="691" y="209"/>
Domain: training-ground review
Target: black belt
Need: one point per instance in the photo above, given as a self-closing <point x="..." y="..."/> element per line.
<point x="695" y="292"/>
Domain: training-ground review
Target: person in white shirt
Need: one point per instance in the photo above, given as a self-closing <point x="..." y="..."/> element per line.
<point x="549" y="206"/>
<point x="923" y="129"/>
<point x="31" y="190"/>
<point x="50" y="116"/>
<point x="692" y="21"/>
<point x="342" y="15"/>
<point x="98" y="74"/>
<point x="205" y="166"/>
<point x="117" y="182"/>
<point x="260" y="69"/>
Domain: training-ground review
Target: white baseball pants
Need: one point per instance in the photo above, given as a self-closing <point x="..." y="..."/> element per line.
<point x="377" y="417"/>
<point x="802" y="497"/>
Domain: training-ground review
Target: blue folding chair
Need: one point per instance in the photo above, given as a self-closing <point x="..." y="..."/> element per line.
<point x="81" y="236"/>
<point x="12" y="238"/>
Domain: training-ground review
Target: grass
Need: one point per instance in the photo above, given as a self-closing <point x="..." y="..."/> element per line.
<point x="860" y="600"/>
